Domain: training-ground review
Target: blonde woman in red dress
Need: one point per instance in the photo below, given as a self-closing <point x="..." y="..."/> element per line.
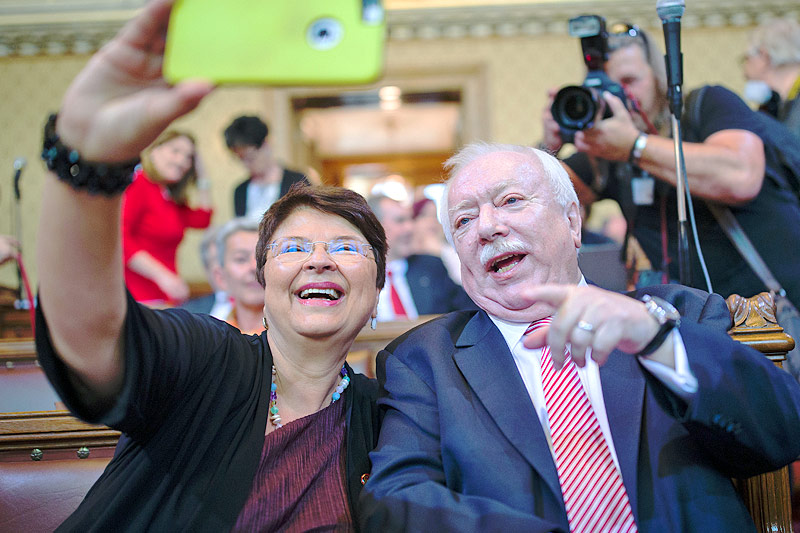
<point x="156" y="214"/>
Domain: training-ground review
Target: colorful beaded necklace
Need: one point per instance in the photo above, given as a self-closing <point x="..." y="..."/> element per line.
<point x="275" y="418"/>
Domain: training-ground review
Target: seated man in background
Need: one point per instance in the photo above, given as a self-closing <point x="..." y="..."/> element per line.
<point x="416" y="284"/>
<point x="560" y="406"/>
<point x="216" y="304"/>
<point x="429" y="238"/>
<point x="236" y="274"/>
<point x="246" y="137"/>
<point x="772" y="62"/>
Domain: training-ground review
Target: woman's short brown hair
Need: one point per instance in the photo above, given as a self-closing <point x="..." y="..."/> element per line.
<point x="338" y="201"/>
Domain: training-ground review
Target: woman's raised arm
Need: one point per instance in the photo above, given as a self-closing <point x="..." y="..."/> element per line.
<point x="113" y="109"/>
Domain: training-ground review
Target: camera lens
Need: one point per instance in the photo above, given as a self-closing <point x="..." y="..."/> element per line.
<point x="574" y="107"/>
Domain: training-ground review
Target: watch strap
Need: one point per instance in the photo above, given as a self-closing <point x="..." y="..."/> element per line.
<point x="665" y="329"/>
<point x="638" y="149"/>
<point x="666" y="315"/>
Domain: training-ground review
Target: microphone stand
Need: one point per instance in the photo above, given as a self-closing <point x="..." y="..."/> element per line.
<point x="670" y="13"/>
<point x="682" y="191"/>
<point x="674" y="64"/>
<point x="20" y="302"/>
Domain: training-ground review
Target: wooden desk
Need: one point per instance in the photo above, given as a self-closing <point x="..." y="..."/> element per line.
<point x="58" y="436"/>
<point x="369" y="342"/>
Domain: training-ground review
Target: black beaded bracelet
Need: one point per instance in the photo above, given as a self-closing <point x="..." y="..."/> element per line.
<point x="94" y="178"/>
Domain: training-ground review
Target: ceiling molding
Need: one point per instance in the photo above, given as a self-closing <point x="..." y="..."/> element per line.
<point x="551" y="17"/>
<point x="56" y="27"/>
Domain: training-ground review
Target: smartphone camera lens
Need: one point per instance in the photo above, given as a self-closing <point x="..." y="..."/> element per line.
<point x="324" y="33"/>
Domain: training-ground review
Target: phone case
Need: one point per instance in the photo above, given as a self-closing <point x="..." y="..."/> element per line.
<point x="276" y="42"/>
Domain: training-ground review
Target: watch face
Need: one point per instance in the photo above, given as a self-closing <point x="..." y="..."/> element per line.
<point x="661" y="310"/>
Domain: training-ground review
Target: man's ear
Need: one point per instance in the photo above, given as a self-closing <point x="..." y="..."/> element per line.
<point x="574" y="218"/>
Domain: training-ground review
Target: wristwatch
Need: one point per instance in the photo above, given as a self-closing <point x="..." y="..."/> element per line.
<point x="667" y="317"/>
<point x="638" y="149"/>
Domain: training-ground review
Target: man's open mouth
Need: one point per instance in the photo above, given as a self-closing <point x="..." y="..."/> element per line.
<point x="504" y="263"/>
<point x="325" y="294"/>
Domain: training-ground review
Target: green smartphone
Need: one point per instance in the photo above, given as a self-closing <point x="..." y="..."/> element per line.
<point x="275" y="42"/>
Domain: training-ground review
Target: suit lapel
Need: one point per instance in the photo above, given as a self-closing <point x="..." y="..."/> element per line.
<point x="623" y="395"/>
<point x="483" y="358"/>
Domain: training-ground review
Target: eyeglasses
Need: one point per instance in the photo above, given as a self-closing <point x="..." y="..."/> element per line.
<point x="343" y="251"/>
<point x="750" y="54"/>
<point x="626" y="29"/>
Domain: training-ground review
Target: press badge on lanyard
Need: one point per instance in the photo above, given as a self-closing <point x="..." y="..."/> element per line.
<point x="643" y="189"/>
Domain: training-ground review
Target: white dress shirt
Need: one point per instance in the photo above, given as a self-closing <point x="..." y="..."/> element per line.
<point x="259" y="198"/>
<point x="680" y="380"/>
<point x="222" y="305"/>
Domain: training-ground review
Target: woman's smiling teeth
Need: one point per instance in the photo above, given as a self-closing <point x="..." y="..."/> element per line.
<point x="329" y="294"/>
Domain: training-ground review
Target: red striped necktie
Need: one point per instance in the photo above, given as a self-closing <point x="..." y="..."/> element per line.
<point x="397" y="304"/>
<point x="594" y="495"/>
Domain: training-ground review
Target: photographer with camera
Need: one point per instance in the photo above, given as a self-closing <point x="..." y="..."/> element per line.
<point x="619" y="123"/>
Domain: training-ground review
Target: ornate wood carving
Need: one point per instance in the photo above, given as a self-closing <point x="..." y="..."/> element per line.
<point x="767" y="496"/>
<point x="754" y="324"/>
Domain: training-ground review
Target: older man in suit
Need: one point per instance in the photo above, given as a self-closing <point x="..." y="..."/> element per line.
<point x="560" y="406"/>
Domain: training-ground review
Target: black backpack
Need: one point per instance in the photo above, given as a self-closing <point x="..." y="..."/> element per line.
<point x="781" y="145"/>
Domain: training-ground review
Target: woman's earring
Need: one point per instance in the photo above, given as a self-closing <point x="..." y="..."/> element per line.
<point x="373" y="322"/>
<point x="264" y="321"/>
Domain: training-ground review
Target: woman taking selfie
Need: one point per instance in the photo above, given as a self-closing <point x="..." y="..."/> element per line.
<point x="222" y="431"/>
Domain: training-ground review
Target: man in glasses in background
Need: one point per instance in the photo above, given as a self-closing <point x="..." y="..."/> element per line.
<point x="630" y="157"/>
<point x="772" y="68"/>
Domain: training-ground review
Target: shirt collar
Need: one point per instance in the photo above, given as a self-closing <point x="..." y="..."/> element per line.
<point x="398" y="267"/>
<point x="513" y="331"/>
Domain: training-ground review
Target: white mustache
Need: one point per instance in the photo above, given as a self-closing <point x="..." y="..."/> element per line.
<point x="498" y="247"/>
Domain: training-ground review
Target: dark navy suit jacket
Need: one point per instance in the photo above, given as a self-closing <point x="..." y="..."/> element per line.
<point x="461" y="447"/>
<point x="432" y="288"/>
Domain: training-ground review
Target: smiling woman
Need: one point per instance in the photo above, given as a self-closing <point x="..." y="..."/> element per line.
<point x="318" y="256"/>
<point x="223" y="431"/>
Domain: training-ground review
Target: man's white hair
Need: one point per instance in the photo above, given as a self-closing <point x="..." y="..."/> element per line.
<point x="563" y="190"/>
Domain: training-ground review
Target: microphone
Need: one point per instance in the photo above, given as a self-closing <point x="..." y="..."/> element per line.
<point x="670" y="13"/>
<point x="19" y="165"/>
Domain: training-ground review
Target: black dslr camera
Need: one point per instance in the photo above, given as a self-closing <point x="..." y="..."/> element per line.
<point x="575" y="107"/>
